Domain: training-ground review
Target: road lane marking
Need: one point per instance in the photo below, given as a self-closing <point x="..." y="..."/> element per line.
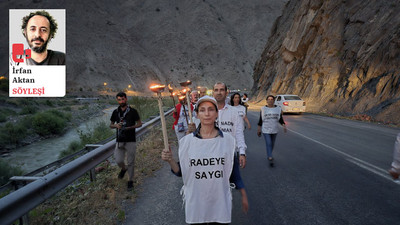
<point x="361" y="163"/>
<point x="372" y="170"/>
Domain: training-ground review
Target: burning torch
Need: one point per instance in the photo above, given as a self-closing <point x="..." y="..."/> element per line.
<point x="171" y="91"/>
<point x="158" y="89"/>
<point x="181" y="98"/>
<point x="185" y="85"/>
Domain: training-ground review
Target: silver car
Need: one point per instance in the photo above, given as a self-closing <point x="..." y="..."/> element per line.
<point x="290" y="103"/>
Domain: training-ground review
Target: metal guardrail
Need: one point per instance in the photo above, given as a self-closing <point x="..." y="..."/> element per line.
<point x="21" y="201"/>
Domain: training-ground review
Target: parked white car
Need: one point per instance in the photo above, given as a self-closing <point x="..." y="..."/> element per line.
<point x="290" y="103"/>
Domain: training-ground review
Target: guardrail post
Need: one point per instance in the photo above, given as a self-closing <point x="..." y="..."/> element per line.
<point x="92" y="172"/>
<point x="25" y="218"/>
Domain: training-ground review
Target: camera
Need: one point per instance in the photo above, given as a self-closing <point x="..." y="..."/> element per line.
<point x="121" y="133"/>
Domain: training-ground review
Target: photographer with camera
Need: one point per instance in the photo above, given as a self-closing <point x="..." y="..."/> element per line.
<point x="125" y="119"/>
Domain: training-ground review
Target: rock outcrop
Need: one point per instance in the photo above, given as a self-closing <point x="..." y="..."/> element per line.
<point x="342" y="57"/>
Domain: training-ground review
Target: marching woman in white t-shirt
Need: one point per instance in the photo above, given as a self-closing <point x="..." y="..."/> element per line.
<point x="205" y="162"/>
<point x="268" y="124"/>
<point x="236" y="102"/>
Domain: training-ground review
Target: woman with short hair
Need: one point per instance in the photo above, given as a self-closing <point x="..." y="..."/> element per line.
<point x="268" y="124"/>
<point x="236" y="102"/>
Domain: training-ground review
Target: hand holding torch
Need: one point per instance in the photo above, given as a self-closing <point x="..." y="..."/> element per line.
<point x="185" y="85"/>
<point x="171" y="91"/>
<point x="158" y="89"/>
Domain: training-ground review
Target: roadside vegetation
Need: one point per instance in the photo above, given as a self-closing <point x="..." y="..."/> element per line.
<point x="100" y="132"/>
<point x="26" y="120"/>
<point x="101" y="202"/>
<point x="7" y="171"/>
<point x="146" y="107"/>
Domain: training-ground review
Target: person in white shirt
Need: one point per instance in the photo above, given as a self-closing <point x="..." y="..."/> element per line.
<point x="237" y="103"/>
<point x="202" y="92"/>
<point x="182" y="121"/>
<point x="205" y="163"/>
<point x="194" y="97"/>
<point x="270" y="118"/>
<point x="245" y="99"/>
<point x="230" y="122"/>
<point x="395" y="170"/>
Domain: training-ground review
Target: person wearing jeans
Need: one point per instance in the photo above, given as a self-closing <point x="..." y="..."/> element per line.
<point x="270" y="143"/>
<point x="268" y="124"/>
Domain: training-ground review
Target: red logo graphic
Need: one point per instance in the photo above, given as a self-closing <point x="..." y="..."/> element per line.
<point x="18" y="50"/>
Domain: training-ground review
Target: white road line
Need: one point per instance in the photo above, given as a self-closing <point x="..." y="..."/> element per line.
<point x="360" y="164"/>
<point x="365" y="165"/>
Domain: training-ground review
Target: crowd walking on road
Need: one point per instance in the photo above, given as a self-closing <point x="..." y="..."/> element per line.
<point x="211" y="149"/>
<point x="218" y="131"/>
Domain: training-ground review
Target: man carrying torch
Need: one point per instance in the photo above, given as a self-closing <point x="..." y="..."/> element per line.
<point x="181" y="117"/>
<point x="191" y="125"/>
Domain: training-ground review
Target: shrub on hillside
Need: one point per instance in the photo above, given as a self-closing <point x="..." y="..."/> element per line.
<point x="49" y="122"/>
<point x="72" y="148"/>
<point x="100" y="132"/>
<point x="94" y="135"/>
<point x="3" y="118"/>
<point x="5" y="112"/>
<point x="29" y="109"/>
<point x="12" y="134"/>
<point x="7" y="171"/>
<point x="4" y="84"/>
<point x="147" y="107"/>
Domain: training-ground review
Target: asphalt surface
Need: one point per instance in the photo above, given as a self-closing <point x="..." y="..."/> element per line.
<point x="327" y="171"/>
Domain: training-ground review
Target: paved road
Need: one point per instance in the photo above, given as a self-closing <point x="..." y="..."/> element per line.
<point x="328" y="171"/>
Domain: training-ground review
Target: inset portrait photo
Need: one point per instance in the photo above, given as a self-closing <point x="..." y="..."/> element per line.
<point x="37" y="37"/>
<point x="37" y="65"/>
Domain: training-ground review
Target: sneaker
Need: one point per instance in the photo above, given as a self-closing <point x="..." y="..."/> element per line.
<point x="130" y="185"/>
<point x="271" y="162"/>
<point x="394" y="174"/>
<point x="121" y="174"/>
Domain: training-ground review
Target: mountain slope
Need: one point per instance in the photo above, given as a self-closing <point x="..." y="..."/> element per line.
<point x="340" y="56"/>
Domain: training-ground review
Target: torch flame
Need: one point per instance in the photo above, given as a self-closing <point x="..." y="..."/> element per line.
<point x="186" y="83"/>
<point x="157" y="87"/>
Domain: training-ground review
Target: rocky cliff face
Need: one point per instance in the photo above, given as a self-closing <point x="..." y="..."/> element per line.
<point x="340" y="56"/>
<point x="138" y="42"/>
